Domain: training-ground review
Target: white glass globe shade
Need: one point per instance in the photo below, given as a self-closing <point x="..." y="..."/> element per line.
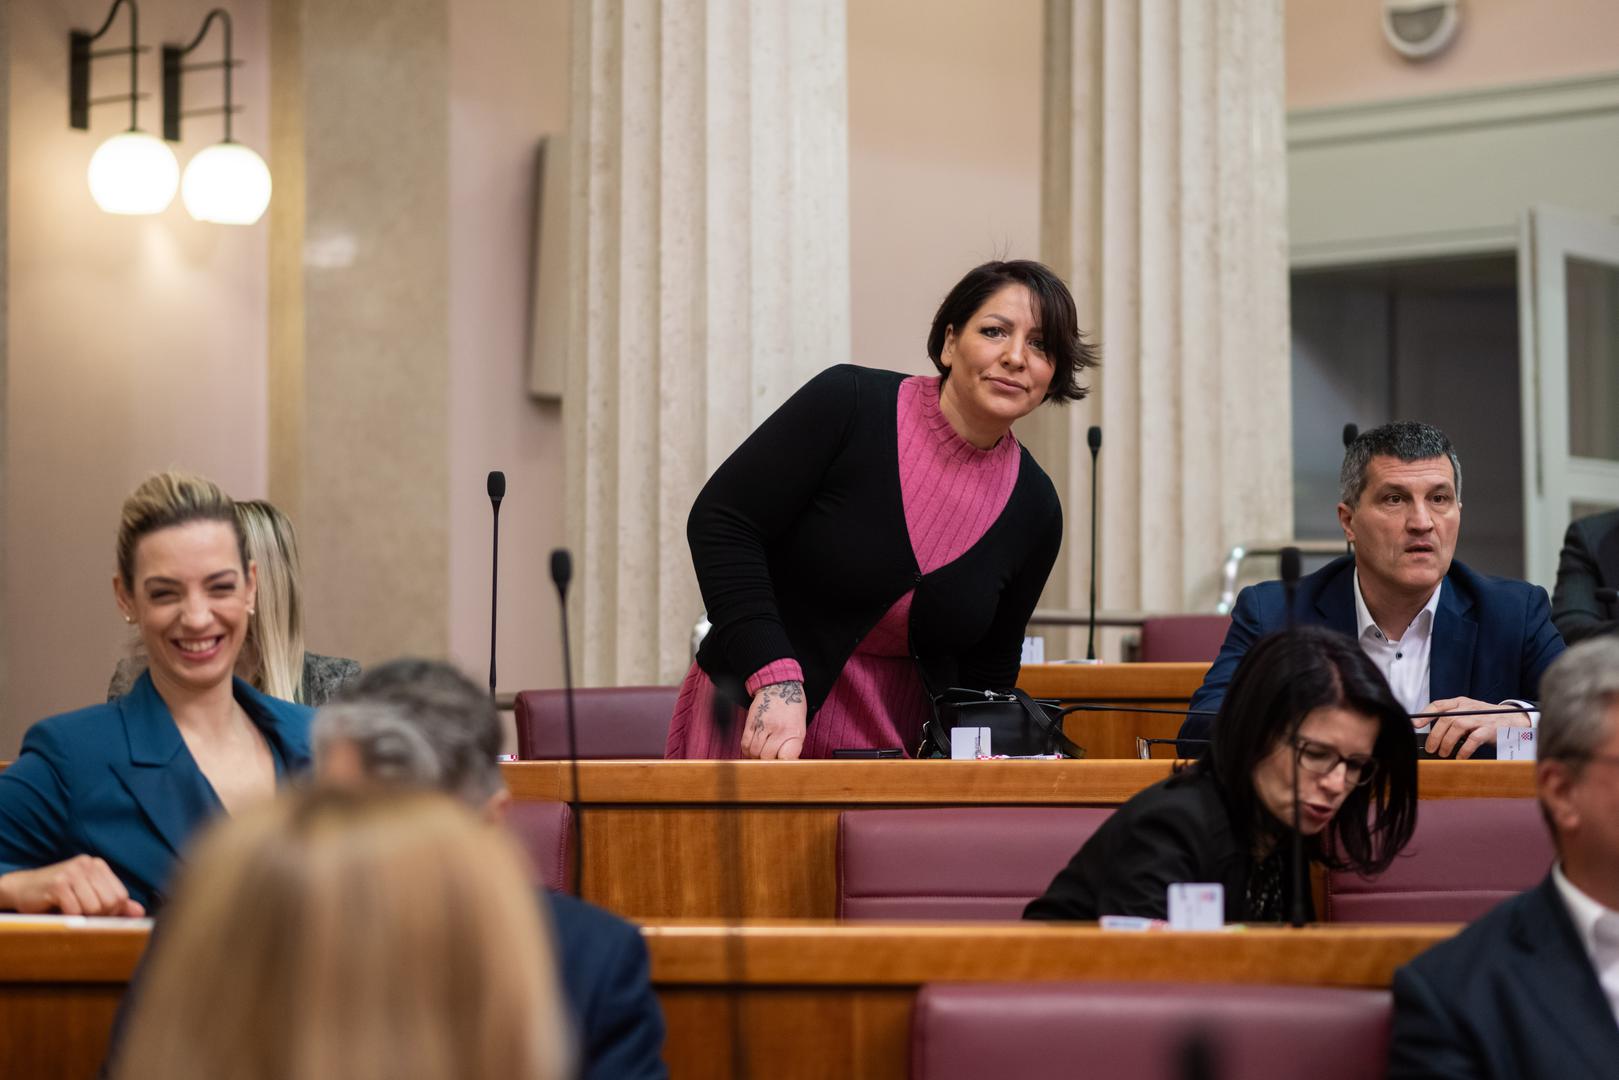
<point x="133" y="173"/>
<point x="227" y="184"/>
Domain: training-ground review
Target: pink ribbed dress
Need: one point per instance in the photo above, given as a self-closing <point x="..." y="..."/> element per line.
<point x="952" y="493"/>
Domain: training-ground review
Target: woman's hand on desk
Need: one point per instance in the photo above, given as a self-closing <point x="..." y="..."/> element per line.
<point x="775" y="725"/>
<point x="83" y="885"/>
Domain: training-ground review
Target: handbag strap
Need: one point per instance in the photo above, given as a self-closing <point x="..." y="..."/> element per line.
<point x="1066" y="746"/>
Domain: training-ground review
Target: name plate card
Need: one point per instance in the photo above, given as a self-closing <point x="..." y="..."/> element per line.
<point x="1197" y="906"/>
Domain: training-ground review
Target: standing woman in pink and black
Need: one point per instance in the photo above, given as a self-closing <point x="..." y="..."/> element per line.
<point x="880" y="538"/>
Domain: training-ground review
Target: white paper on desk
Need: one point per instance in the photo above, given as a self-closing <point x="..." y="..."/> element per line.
<point x="1515" y="743"/>
<point x="1034" y="650"/>
<point x="75" y="922"/>
<point x="969" y="743"/>
<point x="1197" y="906"/>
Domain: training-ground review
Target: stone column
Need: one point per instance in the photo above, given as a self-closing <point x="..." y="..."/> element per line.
<point x="1163" y="203"/>
<point x="359" y="338"/>
<point x="709" y="257"/>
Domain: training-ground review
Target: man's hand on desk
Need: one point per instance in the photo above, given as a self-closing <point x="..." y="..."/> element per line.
<point x="83" y="885"/>
<point x="776" y="722"/>
<point x="1471" y="732"/>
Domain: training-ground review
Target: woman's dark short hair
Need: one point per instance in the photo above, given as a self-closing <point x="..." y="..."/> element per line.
<point x="1281" y="680"/>
<point x="1053" y="306"/>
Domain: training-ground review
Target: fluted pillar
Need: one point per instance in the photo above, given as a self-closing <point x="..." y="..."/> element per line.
<point x="709" y="256"/>
<point x="1163" y="202"/>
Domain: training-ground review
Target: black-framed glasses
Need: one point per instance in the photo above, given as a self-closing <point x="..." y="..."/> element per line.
<point x="1321" y="759"/>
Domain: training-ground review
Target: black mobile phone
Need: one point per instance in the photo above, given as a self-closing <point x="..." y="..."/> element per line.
<point x="868" y="752"/>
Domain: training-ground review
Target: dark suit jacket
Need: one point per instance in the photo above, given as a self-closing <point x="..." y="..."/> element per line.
<point x="1590" y="561"/>
<point x="608" y="982"/>
<point x="1514" y="995"/>
<point x="1492" y="637"/>
<point x="116" y="780"/>
<point x="1177" y="830"/>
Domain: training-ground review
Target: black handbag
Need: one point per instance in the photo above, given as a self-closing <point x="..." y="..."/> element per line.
<point x="1019" y="726"/>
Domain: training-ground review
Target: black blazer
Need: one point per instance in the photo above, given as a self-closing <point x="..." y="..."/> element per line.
<point x="1492" y="637"/>
<point x="1177" y="830"/>
<point x="1514" y="995"/>
<point x="608" y="981"/>
<point x="1590" y="561"/>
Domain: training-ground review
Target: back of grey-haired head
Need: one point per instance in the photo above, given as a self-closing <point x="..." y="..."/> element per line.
<point x="1576" y="694"/>
<point x="435" y="708"/>
<point x="1406" y="440"/>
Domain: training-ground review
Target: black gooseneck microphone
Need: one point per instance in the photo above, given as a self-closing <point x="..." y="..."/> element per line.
<point x="1290" y="588"/>
<point x="1351" y="433"/>
<point x="561" y="576"/>
<point x="1093" y="439"/>
<point x="497" y="492"/>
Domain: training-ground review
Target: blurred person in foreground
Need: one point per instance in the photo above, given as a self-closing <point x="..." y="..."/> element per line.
<point x="273" y="658"/>
<point x="880" y="538"/>
<point x="101" y="801"/>
<point x="1532" y="988"/>
<point x="351" y="935"/>
<point x="1450" y="641"/>
<point x="1306" y="706"/>
<point x="422" y="722"/>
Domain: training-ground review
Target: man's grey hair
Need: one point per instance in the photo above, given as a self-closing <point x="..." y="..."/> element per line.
<point x="1577" y="693"/>
<point x="1406" y="440"/>
<point x="420" y="722"/>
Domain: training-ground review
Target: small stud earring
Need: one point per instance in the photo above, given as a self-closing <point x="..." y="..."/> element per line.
<point x="250" y="611"/>
<point x="130" y="619"/>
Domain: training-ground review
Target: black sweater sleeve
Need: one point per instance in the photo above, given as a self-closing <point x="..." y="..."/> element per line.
<point x="994" y="663"/>
<point x="752" y="499"/>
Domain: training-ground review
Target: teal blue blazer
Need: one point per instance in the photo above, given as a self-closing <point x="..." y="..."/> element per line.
<point x="116" y="780"/>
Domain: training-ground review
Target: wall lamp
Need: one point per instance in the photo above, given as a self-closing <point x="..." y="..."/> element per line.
<point x="227" y="183"/>
<point x="132" y="172"/>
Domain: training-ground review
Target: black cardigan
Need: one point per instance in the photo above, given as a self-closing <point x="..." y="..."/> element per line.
<point x="1177" y="830"/>
<point x="800" y="545"/>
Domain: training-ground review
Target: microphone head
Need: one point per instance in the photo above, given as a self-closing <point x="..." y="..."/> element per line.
<point x="1290" y="566"/>
<point x="1610" y="596"/>
<point x="561" y="568"/>
<point x="497" y="486"/>
<point x="1093" y="438"/>
<point x="1351" y="433"/>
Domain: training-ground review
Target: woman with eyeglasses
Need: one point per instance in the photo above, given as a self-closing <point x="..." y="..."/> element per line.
<point x="1307" y="713"/>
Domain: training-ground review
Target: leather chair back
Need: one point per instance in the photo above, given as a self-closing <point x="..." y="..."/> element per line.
<point x="610" y="722"/>
<point x="544" y="830"/>
<point x="1074" y="1031"/>
<point x="1466" y="856"/>
<point x="954" y="862"/>
<point x="1182" y="639"/>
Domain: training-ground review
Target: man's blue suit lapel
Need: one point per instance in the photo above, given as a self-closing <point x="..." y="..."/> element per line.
<point x="1335" y="603"/>
<point x="160" y="774"/>
<point x="1455" y="630"/>
<point x="1559" y="978"/>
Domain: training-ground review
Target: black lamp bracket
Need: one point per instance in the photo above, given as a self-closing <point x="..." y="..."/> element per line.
<point x="175" y="67"/>
<point x="81" y="56"/>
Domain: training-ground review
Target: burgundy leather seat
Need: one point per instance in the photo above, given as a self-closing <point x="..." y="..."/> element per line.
<point x="954" y="862"/>
<point x="1035" y="1031"/>
<point x="544" y="830"/>
<point x="1182" y="638"/>
<point x="1467" y="856"/>
<point x="610" y="721"/>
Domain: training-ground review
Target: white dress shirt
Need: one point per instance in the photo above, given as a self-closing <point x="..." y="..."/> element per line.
<point x="1598" y="930"/>
<point x="1405" y="661"/>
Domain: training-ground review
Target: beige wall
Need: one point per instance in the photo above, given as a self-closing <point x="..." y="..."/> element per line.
<point x="944" y="159"/>
<point x="134" y="344"/>
<point x="1336" y="53"/>
<point x="508" y="88"/>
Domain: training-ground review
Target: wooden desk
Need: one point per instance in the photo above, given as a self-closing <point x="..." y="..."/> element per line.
<point x="1113" y="734"/>
<point x="663" y="837"/>
<point x="815" y="999"/>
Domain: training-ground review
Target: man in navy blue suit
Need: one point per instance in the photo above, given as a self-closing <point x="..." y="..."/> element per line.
<point x="1532" y="989"/>
<point x="1462" y="647"/>
<point x="423" y="722"/>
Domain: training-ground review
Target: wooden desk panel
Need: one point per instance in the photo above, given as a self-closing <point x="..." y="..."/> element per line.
<point x="809" y="999"/>
<point x="659" y="835"/>
<point x="1113" y="734"/>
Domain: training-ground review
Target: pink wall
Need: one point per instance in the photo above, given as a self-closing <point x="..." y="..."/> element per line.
<point x="135" y="344"/>
<point x="1336" y="53"/>
<point x="509" y="87"/>
<point x="944" y="160"/>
